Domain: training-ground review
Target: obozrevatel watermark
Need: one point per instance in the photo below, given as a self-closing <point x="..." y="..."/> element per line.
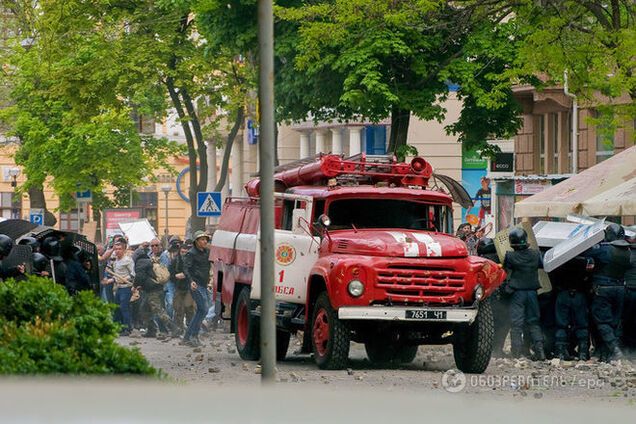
<point x="454" y="381"/>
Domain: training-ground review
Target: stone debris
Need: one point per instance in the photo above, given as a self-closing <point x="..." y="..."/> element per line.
<point x="258" y="369"/>
<point x="349" y="371"/>
<point x="196" y="349"/>
<point x="246" y="367"/>
<point x="214" y="370"/>
<point x="199" y="358"/>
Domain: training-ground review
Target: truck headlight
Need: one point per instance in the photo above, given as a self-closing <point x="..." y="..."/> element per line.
<point x="355" y="288"/>
<point x="478" y="292"/>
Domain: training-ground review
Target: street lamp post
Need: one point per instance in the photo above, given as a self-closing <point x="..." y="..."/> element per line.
<point x="166" y="190"/>
<point x="14" y="173"/>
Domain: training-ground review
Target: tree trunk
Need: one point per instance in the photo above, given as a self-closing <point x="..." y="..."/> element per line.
<point x="192" y="153"/>
<point x="38" y="201"/>
<point x="399" y="128"/>
<point x="240" y="116"/>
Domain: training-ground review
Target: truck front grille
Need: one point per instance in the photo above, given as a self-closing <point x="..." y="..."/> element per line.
<point x="420" y="284"/>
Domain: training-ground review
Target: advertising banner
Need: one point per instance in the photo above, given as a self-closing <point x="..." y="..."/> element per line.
<point x="112" y="218"/>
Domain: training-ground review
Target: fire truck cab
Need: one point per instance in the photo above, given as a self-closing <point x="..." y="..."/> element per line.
<point x="364" y="252"/>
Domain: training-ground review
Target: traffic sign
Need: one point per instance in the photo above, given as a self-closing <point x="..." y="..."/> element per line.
<point x="84" y="196"/>
<point x="209" y="203"/>
<point x="36" y="216"/>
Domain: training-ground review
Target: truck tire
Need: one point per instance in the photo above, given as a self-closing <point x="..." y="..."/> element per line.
<point x="379" y="352"/>
<point x="472" y="344"/>
<point x="282" y="344"/>
<point x="246" y="329"/>
<point x="330" y="337"/>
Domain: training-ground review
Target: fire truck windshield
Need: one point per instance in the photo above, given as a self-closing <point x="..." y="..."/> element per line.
<point x="389" y="213"/>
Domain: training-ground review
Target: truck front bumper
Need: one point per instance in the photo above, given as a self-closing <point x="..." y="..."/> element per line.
<point x="407" y="314"/>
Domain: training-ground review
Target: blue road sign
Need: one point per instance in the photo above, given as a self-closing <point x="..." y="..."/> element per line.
<point x="209" y="203"/>
<point x="36" y="216"/>
<point x="84" y="196"/>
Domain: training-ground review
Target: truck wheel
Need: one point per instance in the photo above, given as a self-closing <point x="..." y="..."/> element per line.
<point x="246" y="331"/>
<point x="330" y="337"/>
<point x="472" y="344"/>
<point x="380" y="352"/>
<point x="282" y="344"/>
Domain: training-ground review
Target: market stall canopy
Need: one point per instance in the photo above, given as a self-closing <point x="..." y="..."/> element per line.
<point x="618" y="201"/>
<point x="568" y="196"/>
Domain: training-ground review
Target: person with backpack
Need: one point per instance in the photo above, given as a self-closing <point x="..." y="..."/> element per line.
<point x="152" y="296"/>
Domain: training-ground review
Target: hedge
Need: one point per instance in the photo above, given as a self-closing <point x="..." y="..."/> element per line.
<point x="44" y="330"/>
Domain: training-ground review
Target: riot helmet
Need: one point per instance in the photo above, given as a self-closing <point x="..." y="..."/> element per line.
<point x="485" y="246"/>
<point x="39" y="262"/>
<point x="32" y="242"/>
<point x="51" y="248"/>
<point x="6" y="244"/>
<point x="518" y="238"/>
<point x="614" y="232"/>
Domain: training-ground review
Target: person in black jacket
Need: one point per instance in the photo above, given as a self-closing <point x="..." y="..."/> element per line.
<point x="611" y="261"/>
<point x="522" y="265"/>
<point x="197" y="271"/>
<point x="572" y="284"/>
<point x="629" y="310"/>
<point x="152" y="296"/>
<point x="183" y="303"/>
<point x="6" y="245"/>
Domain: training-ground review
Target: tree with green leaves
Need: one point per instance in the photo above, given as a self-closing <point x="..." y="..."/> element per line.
<point x="594" y="41"/>
<point x="90" y="65"/>
<point x="375" y="59"/>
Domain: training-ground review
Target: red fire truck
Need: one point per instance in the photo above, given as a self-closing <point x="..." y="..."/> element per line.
<point x="364" y="252"/>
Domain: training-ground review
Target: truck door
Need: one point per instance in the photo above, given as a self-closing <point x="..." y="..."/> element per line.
<point x="295" y="252"/>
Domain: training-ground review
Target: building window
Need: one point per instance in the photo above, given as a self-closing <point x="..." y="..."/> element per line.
<point x="148" y="202"/>
<point x="604" y="142"/>
<point x="375" y="142"/>
<point x="68" y="221"/>
<point x="10" y="208"/>
<point x="145" y="124"/>
<point x="554" y="141"/>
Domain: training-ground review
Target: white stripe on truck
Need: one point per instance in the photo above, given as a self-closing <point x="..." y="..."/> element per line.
<point x="226" y="239"/>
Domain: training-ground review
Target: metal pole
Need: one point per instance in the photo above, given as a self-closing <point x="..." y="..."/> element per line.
<point x="266" y="166"/>
<point x="166" y="206"/>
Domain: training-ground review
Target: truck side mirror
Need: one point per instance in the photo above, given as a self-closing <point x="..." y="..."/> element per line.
<point x="323" y="221"/>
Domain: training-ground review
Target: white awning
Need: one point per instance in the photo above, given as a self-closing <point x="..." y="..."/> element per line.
<point x="568" y="196"/>
<point x="619" y="201"/>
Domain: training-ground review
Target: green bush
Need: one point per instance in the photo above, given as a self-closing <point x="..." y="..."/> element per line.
<point x="43" y="330"/>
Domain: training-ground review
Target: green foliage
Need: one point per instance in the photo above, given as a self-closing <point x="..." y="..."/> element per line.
<point x="43" y="330"/>
<point x="595" y="41"/>
<point x="73" y="89"/>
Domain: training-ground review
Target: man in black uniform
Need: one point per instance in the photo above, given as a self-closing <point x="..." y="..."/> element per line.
<point x="522" y="266"/>
<point x="572" y="283"/>
<point x="499" y="300"/>
<point x="51" y="248"/>
<point x="611" y="261"/>
<point x="629" y="312"/>
<point x="6" y="245"/>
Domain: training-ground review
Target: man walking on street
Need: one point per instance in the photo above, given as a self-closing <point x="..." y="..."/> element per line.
<point x="522" y="266"/>
<point x="183" y="302"/>
<point x="122" y="276"/>
<point x="197" y="272"/>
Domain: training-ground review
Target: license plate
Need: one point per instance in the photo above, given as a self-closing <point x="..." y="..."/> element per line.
<point x="420" y="314"/>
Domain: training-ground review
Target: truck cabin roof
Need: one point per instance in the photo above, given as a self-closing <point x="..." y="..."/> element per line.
<point x="322" y="192"/>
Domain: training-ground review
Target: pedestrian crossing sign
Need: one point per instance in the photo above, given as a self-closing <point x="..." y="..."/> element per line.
<point x="209" y="203"/>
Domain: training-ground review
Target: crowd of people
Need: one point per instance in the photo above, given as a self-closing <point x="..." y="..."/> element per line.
<point x="158" y="292"/>
<point x="177" y="304"/>
<point x="592" y="302"/>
